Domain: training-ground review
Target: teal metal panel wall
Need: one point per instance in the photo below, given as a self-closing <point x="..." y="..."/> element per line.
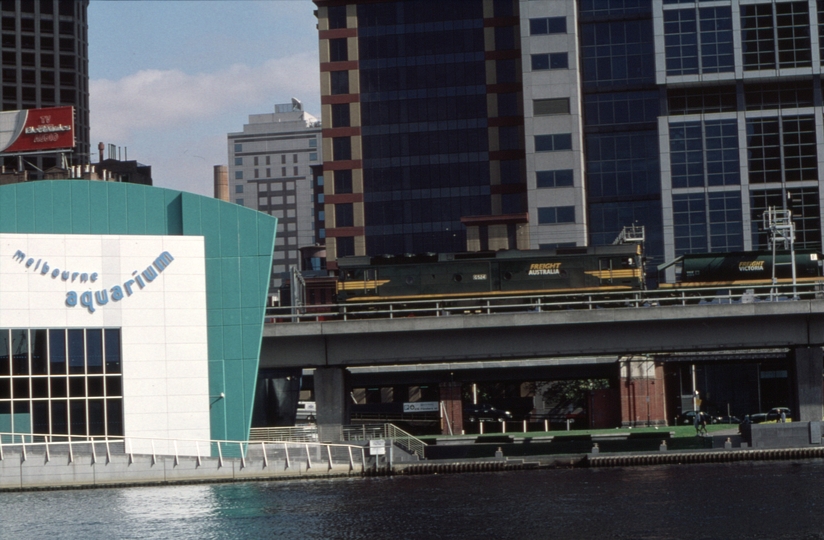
<point x="238" y="244"/>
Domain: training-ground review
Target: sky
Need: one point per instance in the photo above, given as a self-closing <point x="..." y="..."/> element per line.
<point x="169" y="79"/>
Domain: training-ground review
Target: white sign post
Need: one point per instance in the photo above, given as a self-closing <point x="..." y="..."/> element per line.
<point x="377" y="447"/>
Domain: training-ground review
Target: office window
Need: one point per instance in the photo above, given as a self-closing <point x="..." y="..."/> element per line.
<point x="283" y="171"/>
<point x="313" y="143"/>
<point x="343" y="181"/>
<point x="783" y="45"/>
<point x="804" y="205"/>
<point x="283" y="158"/>
<point x="509" y="137"/>
<point x="255" y="163"/>
<point x="762" y="96"/>
<point x="552" y="143"/>
<point x="346" y="246"/>
<point x="257" y="173"/>
<point x="704" y="99"/>
<point x="313" y="156"/>
<point x="238" y="162"/>
<point x="337" y="17"/>
<point x="340" y="82"/>
<point x="238" y="147"/>
<point x="338" y="50"/>
<point x="623" y="163"/>
<point x="295" y="171"/>
<point x="552" y="179"/>
<point x="689" y="223"/>
<point x="556" y="214"/>
<point x="547" y="25"/>
<point x="239" y="202"/>
<point x="704" y="153"/>
<point x="506" y="71"/>
<point x="344" y="215"/>
<point x="340" y="115"/>
<point x="781" y="149"/>
<point x="238" y="175"/>
<point x="508" y="104"/>
<point x="546" y="107"/>
<point x="239" y="188"/>
<point x="617" y="53"/>
<point x="621" y="108"/>
<point x="505" y="39"/>
<point x="698" y="40"/>
<point x="268" y="160"/>
<point x="550" y="61"/>
<point x="341" y="148"/>
<point x="268" y="172"/>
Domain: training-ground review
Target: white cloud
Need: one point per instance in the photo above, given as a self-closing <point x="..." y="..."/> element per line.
<point x="154" y="99"/>
<point x="177" y="122"/>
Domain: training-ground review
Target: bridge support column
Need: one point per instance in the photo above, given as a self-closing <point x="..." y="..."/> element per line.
<point x="808" y="396"/>
<point x="332" y="401"/>
<point x="642" y="392"/>
<point x="451" y="408"/>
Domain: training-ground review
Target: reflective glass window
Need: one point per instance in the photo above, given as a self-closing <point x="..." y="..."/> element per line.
<point x="556" y="214"/>
<point x="552" y="179"/>
<point x="340" y="82"/>
<point x="338" y="50"/>
<point x="547" y="25"/>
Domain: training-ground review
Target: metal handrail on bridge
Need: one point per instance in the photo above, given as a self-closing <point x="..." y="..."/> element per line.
<point x="717" y="294"/>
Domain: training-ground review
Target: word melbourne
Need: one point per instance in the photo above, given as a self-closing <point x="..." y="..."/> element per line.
<point x="99" y="298"/>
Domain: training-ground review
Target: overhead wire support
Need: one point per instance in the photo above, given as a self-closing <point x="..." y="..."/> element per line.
<point x="782" y="230"/>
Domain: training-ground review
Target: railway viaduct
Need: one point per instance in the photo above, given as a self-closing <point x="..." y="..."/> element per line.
<point x="509" y="339"/>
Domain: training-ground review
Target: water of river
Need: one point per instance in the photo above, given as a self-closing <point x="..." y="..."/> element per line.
<point x="776" y="500"/>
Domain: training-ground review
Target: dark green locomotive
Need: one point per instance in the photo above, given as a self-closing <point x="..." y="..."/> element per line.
<point x="490" y="274"/>
<point x="747" y="268"/>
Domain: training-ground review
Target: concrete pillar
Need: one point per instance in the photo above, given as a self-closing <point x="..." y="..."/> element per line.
<point x="332" y="401"/>
<point x="808" y="397"/>
<point x="450" y="394"/>
<point x="642" y="392"/>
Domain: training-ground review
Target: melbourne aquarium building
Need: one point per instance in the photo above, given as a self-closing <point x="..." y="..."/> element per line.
<point x="128" y="310"/>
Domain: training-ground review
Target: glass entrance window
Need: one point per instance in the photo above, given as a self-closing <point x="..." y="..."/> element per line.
<point x="61" y="381"/>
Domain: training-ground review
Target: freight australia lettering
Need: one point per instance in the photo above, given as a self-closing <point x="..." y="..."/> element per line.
<point x="545" y="269"/>
<point x="751" y="266"/>
<point x="90" y="300"/>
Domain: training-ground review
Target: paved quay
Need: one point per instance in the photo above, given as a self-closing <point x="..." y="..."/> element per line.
<point x="22" y="470"/>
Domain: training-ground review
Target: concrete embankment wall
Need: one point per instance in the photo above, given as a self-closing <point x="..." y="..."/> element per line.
<point x="35" y="471"/>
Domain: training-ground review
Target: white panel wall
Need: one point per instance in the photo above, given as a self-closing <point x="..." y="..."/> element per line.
<point x="163" y="324"/>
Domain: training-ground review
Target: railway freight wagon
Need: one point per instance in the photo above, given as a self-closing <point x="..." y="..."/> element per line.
<point x="490" y="274"/>
<point x="747" y="268"/>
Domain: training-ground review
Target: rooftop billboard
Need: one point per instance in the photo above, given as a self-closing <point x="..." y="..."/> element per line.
<point x="36" y="130"/>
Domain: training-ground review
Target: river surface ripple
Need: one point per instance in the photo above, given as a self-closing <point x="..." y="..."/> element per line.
<point x="724" y="501"/>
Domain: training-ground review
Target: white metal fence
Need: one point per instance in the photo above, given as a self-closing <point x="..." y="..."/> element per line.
<point x="286" y="455"/>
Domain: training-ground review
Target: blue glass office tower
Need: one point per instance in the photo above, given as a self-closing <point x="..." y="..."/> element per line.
<point x="688" y="117"/>
<point x="423" y="129"/>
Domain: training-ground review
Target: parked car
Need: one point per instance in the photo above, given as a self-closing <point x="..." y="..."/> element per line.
<point x="485" y="413"/>
<point x="687" y="418"/>
<point x="757" y="418"/>
<point x="726" y="420"/>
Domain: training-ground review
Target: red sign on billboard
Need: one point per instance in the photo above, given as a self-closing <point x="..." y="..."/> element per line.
<point x="35" y="130"/>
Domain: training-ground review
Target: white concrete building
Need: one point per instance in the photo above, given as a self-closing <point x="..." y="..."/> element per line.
<point x="269" y="171"/>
